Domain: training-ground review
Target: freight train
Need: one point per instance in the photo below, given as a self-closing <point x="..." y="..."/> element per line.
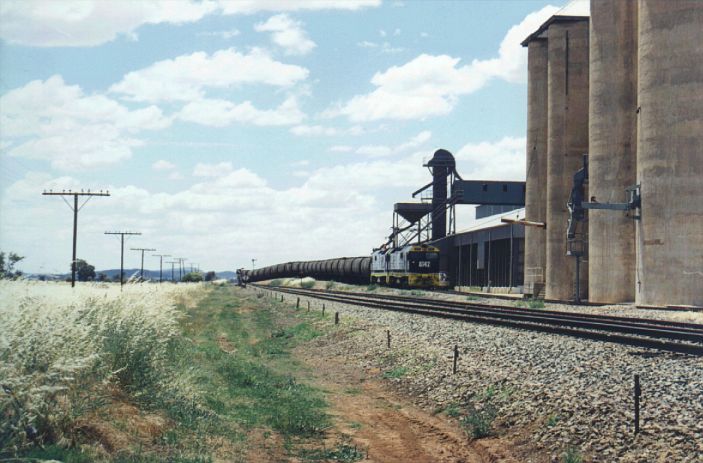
<point x="412" y="266"/>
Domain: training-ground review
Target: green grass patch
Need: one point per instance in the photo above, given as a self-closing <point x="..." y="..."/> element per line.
<point x="397" y="372"/>
<point x="252" y="381"/>
<point x="453" y="410"/>
<point x="571" y="455"/>
<point x="552" y="420"/>
<point x="372" y="287"/>
<point x="530" y="304"/>
<point x="276" y="282"/>
<point x="343" y="452"/>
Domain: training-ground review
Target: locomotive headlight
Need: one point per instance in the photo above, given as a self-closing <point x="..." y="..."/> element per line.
<point x="442" y="276"/>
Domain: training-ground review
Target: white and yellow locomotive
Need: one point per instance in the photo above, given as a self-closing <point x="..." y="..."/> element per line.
<point x="411" y="266"/>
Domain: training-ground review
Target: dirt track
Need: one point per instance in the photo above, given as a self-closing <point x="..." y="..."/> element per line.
<point x="389" y="426"/>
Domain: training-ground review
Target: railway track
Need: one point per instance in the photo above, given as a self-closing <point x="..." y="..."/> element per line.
<point x="685" y="338"/>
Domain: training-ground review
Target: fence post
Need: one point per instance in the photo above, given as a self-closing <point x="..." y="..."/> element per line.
<point x="456" y="358"/>
<point x="308" y="306"/>
<point x="323" y="310"/>
<point x="388" y="339"/>
<point x="336" y="318"/>
<point x="638" y="393"/>
<point x="297" y="304"/>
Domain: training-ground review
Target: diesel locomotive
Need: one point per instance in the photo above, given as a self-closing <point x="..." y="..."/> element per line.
<point x="411" y="266"/>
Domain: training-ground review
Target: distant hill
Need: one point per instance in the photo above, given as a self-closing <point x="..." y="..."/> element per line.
<point x="129" y="272"/>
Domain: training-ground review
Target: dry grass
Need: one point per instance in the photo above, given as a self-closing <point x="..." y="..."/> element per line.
<point x="64" y="351"/>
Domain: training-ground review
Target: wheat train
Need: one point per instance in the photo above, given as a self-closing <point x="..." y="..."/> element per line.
<point x="411" y="266"/>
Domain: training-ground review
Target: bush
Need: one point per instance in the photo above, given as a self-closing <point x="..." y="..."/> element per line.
<point x="276" y="282"/>
<point x="192" y="277"/>
<point x="307" y="282"/>
<point x="371" y="287"/>
<point x="329" y="285"/>
<point x="479" y="421"/>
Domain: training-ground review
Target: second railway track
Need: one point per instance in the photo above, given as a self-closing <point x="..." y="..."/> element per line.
<point x="686" y="338"/>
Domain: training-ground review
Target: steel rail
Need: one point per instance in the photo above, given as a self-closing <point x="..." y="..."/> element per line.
<point x="581" y="329"/>
<point x="665" y="324"/>
<point x="573" y="320"/>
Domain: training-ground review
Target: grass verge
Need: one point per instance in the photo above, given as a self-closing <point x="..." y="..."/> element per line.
<point x="245" y="392"/>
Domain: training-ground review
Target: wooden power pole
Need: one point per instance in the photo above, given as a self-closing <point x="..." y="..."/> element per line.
<point x="75" y="208"/>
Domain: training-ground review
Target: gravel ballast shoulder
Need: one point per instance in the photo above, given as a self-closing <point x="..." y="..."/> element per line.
<point x="550" y="392"/>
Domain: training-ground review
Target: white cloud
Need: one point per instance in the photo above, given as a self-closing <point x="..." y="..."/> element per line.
<point x="500" y="160"/>
<point x="186" y="77"/>
<point x="52" y="121"/>
<point x="221" y="113"/>
<point x="430" y="85"/>
<point x="288" y="34"/>
<point x="93" y="22"/>
<point x="511" y="63"/>
<point x="212" y="170"/>
<point x="319" y="130"/>
<point x="90" y="23"/>
<point x="374" y="150"/>
<point x="175" y="176"/>
<point x="229" y="206"/>
<point x="382" y="150"/>
<point x="225" y="35"/>
<point x="367" y="44"/>
<point x="162" y="164"/>
<point x="384" y="47"/>
<point x="255" y="6"/>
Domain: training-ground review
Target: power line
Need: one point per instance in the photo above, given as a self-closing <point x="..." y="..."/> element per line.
<point x="161" y="265"/>
<point x="172" y="262"/>
<point x="75" y="210"/>
<point x="141" y="273"/>
<point x="122" y="235"/>
<point x="181" y="269"/>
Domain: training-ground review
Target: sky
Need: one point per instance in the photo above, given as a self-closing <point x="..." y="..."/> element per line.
<point x="227" y="131"/>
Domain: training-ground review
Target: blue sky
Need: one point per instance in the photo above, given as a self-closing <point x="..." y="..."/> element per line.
<point x="235" y="130"/>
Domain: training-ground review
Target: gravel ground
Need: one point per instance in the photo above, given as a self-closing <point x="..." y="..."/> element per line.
<point x="550" y="392"/>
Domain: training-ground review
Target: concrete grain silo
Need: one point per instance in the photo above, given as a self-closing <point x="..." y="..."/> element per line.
<point x="536" y="178"/>
<point x="612" y="147"/>
<point x="669" y="242"/>
<point x="567" y="143"/>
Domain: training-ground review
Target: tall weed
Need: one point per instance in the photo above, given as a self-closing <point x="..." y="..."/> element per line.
<point x="63" y="352"/>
